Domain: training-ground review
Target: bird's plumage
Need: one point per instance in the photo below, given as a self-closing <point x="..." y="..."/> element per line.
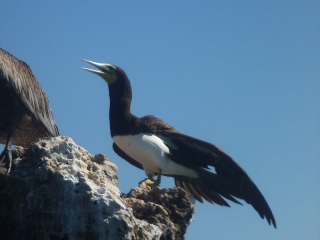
<point x="229" y="181"/>
<point x="24" y="106"/>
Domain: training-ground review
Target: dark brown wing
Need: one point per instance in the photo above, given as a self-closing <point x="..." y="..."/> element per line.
<point x="152" y="124"/>
<point x="229" y="181"/>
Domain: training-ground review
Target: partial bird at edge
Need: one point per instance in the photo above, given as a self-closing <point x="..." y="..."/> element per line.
<point x="25" y="113"/>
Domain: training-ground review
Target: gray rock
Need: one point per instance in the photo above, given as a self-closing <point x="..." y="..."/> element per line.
<point x="170" y="208"/>
<point x="60" y="191"/>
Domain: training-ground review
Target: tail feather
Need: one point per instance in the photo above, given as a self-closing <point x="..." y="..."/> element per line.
<point x="215" y="189"/>
<point x="199" y="189"/>
<point x="210" y="186"/>
<point x="215" y="197"/>
<point x="220" y="185"/>
<point x="189" y="189"/>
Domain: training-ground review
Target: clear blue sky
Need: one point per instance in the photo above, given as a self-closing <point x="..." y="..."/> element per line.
<point x="244" y="75"/>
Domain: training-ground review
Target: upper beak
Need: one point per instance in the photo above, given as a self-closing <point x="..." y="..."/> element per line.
<point x="107" y="70"/>
<point x="101" y="66"/>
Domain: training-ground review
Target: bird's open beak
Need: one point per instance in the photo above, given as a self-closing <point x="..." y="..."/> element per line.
<point x="108" y="71"/>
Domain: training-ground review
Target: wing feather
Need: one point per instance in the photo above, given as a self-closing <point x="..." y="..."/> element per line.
<point x="229" y="181"/>
<point x="27" y="89"/>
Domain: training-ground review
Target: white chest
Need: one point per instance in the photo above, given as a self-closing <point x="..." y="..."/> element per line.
<point x="151" y="152"/>
<point x="147" y="149"/>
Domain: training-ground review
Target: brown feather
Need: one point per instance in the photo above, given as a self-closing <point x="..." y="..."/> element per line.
<point x="23" y="103"/>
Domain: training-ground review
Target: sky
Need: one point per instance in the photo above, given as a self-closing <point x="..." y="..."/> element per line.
<point x="244" y="75"/>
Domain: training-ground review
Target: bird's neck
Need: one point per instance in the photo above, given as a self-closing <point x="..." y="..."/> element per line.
<point x="120" y="120"/>
<point x="119" y="115"/>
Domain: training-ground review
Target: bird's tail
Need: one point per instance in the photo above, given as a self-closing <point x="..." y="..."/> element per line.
<point x="210" y="186"/>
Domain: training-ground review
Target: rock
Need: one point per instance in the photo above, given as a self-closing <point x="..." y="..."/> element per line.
<point x="60" y="191"/>
<point x="170" y="209"/>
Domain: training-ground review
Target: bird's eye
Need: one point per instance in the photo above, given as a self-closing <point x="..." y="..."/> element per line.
<point x="113" y="68"/>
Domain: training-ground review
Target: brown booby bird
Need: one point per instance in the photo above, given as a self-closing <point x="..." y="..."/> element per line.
<point x="154" y="146"/>
<point x="25" y="114"/>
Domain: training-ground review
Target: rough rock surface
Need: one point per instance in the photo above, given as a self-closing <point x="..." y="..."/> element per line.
<point x="170" y="208"/>
<point x="60" y="191"/>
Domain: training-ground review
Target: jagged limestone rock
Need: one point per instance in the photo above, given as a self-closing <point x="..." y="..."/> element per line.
<point x="60" y="191"/>
<point x="169" y="208"/>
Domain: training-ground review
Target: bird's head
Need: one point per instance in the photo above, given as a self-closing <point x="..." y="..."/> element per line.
<point x="108" y="71"/>
<point x="118" y="82"/>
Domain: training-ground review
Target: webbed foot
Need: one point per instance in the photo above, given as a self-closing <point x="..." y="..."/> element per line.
<point x="151" y="182"/>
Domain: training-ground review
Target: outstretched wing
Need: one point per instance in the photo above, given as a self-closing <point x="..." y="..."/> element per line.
<point x="229" y="181"/>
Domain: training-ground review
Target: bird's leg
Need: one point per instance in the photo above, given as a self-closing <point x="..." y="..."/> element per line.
<point x="151" y="181"/>
<point x="6" y="154"/>
<point x="158" y="181"/>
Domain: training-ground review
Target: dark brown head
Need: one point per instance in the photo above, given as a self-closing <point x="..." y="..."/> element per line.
<point x="118" y="83"/>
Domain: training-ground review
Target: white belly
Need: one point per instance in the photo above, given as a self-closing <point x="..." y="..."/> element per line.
<point x="151" y="152"/>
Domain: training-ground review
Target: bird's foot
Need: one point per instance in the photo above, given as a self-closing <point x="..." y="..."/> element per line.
<point x="152" y="182"/>
<point x="148" y="181"/>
